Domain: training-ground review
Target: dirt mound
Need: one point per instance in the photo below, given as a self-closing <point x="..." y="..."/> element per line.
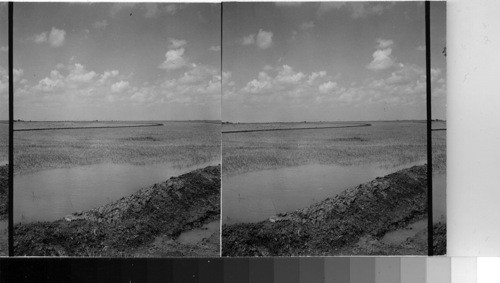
<point x="439" y="238"/>
<point x="129" y="226"/>
<point x="345" y="224"/>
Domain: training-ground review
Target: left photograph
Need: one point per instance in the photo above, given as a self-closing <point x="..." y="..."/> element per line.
<point x="117" y="145"/>
<point x="4" y="130"/>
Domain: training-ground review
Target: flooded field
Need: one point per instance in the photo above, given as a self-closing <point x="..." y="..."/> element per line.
<point x="195" y="236"/>
<point x="256" y="196"/>
<point x="439" y="198"/>
<point x="52" y="194"/>
<point x="58" y="172"/>
<point x="265" y="173"/>
<point x="439" y="170"/>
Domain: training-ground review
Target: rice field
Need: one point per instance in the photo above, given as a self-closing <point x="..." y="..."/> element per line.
<point x="439" y="147"/>
<point x="387" y="144"/>
<point x="4" y="142"/>
<point x="183" y="144"/>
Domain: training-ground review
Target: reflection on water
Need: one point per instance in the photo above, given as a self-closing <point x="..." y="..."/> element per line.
<point x="52" y="194"/>
<point x="4" y="238"/>
<point x="256" y="196"/>
<point x="401" y="235"/>
<point x="439" y="198"/>
<point x="4" y="225"/>
<point x="195" y="236"/>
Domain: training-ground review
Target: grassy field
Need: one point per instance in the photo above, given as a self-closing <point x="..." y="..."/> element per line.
<point x="22" y="125"/>
<point x="230" y="127"/>
<point x="183" y="144"/>
<point x="4" y="143"/>
<point x="439" y="148"/>
<point x="387" y="144"/>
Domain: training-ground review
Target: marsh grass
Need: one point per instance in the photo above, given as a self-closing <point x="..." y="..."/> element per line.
<point x="179" y="143"/>
<point x="4" y="143"/>
<point x="439" y="148"/>
<point x="388" y="144"/>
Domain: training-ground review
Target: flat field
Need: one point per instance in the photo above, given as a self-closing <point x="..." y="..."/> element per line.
<point x="183" y="144"/>
<point x="4" y="143"/>
<point x="439" y="147"/>
<point x="387" y="144"/>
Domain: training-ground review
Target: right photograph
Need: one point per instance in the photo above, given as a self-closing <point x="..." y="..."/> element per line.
<point x="324" y="129"/>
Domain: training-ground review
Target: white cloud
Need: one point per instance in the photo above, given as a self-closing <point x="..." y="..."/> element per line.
<point x="346" y="97"/>
<point x="288" y="76"/>
<point x="327" y="87"/>
<point x="139" y="97"/>
<point x="54" y="81"/>
<point x="226" y="76"/>
<point x="18" y="73"/>
<point x="421" y="48"/>
<point x="247" y="40"/>
<point x="215" y="48"/>
<point x="107" y="75"/>
<point x="79" y="74"/>
<point x="314" y="76"/>
<point x="199" y="84"/>
<point x="174" y="60"/>
<point x="307" y="25"/>
<point x="101" y="24"/>
<point x="176" y="43"/>
<point x="384" y="43"/>
<point x="286" y="80"/>
<point x="56" y="37"/>
<point x="4" y="48"/>
<point x="435" y="74"/>
<point x="261" y="84"/>
<point x="289" y="87"/>
<point x="197" y="74"/>
<point x="39" y="38"/>
<point x="382" y="60"/>
<point x="267" y="68"/>
<point x="120" y="86"/>
<point x="264" y="39"/>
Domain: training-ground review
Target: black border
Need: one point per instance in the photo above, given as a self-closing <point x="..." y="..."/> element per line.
<point x="430" y="228"/>
<point x="11" y="131"/>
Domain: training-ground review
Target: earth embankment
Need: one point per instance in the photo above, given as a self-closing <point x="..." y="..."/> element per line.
<point x="145" y="223"/>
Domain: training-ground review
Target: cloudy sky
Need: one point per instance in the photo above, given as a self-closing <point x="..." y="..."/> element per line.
<point x="330" y="61"/>
<point x="4" y="63"/>
<point x="116" y="61"/>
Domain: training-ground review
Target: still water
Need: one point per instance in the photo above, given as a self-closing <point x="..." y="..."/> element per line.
<point x="439" y="197"/>
<point x="193" y="237"/>
<point x="256" y="196"/>
<point x="51" y="194"/>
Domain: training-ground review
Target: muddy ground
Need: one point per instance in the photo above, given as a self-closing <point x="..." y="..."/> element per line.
<point x="351" y="223"/>
<point x="145" y="224"/>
